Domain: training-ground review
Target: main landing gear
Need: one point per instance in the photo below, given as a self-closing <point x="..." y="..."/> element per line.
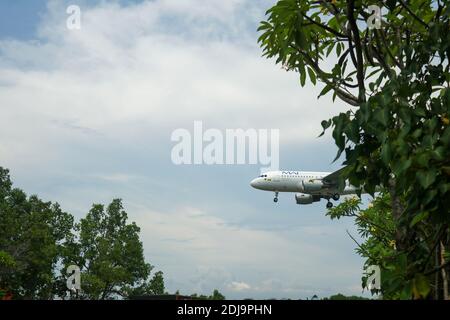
<point x="329" y="203"/>
<point x="276" y="197"/>
<point x="335" y="197"/>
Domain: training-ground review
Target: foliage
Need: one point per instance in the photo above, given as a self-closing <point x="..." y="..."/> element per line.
<point x="32" y="237"/>
<point x="216" y="295"/>
<point x="397" y="77"/>
<point x="154" y="286"/>
<point x="340" y="296"/>
<point x="38" y="241"/>
<point x="111" y="256"/>
<point x="376" y="227"/>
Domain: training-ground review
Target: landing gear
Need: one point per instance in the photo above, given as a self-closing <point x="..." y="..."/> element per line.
<point x="336" y="196"/>
<point x="329" y="205"/>
<point x="276" y="197"/>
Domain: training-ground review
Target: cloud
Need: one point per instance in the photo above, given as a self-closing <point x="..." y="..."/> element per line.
<point x="86" y="116"/>
<point x="238" y="286"/>
<point x="212" y="254"/>
<point x="123" y="66"/>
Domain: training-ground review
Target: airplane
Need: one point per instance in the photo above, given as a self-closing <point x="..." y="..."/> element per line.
<point x="309" y="186"/>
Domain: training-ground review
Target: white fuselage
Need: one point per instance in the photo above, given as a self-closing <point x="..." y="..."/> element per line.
<point x="295" y="181"/>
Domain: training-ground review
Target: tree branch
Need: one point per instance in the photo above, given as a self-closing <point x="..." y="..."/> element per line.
<point x="397" y="63"/>
<point x="404" y="5"/>
<point x="380" y="57"/>
<point x="331" y="30"/>
<point x="347" y="97"/>
<point x="437" y="269"/>
<point x="358" y="49"/>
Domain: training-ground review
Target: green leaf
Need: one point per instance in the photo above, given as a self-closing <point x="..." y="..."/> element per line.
<point x="325" y="125"/>
<point x="406" y="293"/>
<point x="371" y="74"/>
<point x="325" y="90"/>
<point x="429" y="196"/>
<point x="400" y="166"/>
<point x="302" y="78"/>
<point x="421" y="216"/>
<point x="423" y="159"/>
<point x="439" y="153"/>
<point x="386" y="153"/>
<point x="426" y="178"/>
<point x="382" y="116"/>
<point x="264" y="25"/>
<point x="338" y="49"/>
<point x="312" y="76"/>
<point x="421" y="286"/>
<point x="330" y="48"/>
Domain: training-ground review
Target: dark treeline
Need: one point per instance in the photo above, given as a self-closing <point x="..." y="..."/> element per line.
<point x="38" y="241"/>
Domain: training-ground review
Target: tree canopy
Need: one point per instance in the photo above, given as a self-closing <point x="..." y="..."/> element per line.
<point x="111" y="256"/>
<point x="32" y="238"/>
<point x="38" y="241"/>
<point x="394" y="76"/>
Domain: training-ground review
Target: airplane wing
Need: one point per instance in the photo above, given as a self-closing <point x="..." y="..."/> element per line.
<point x="333" y="178"/>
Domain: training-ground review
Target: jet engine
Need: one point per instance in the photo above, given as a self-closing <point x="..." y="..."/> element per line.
<point x="311" y="186"/>
<point x="302" y="198"/>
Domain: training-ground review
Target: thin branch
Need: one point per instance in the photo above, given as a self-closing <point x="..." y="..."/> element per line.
<point x="380" y="57"/>
<point x="359" y="246"/>
<point x="358" y="49"/>
<point x="389" y="232"/>
<point x="404" y="5"/>
<point x="331" y="30"/>
<point x="386" y="46"/>
<point x="436" y="243"/>
<point x="345" y="83"/>
<point x="366" y="50"/>
<point x="438" y="12"/>
<point x="351" y="48"/>
<point x="347" y="97"/>
<point x="427" y="273"/>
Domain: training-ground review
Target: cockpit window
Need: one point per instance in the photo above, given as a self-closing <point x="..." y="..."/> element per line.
<point x="263" y="176"/>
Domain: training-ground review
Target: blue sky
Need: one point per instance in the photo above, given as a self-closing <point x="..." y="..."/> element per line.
<point x="20" y="18"/>
<point x="87" y="116"/>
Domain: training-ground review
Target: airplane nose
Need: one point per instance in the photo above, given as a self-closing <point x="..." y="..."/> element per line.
<point x="253" y="183"/>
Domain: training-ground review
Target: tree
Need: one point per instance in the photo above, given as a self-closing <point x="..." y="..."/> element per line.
<point x="33" y="234"/>
<point x="38" y="241"/>
<point x="155" y="286"/>
<point x="110" y="256"/>
<point x="340" y="296"/>
<point x="397" y="135"/>
<point x="217" y="295"/>
<point x="377" y="229"/>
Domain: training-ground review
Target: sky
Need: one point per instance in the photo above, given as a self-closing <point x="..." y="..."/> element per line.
<point x="87" y="116"/>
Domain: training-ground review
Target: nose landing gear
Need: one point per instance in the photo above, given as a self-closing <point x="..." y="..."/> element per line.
<point x="276" y="197"/>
